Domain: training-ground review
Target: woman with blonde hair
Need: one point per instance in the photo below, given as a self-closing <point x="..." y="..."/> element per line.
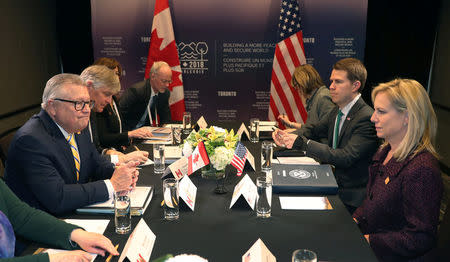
<point x="400" y="214"/>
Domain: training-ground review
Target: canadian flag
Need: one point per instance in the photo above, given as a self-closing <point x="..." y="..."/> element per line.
<point x="164" y="48"/>
<point x="198" y="159"/>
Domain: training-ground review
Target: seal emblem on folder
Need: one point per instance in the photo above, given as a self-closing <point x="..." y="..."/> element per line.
<point x="299" y="174"/>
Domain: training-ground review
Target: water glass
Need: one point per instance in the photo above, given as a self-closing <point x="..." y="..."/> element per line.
<point x="266" y="155"/>
<point x="304" y="255"/>
<point x="122" y="212"/>
<point x="186" y="122"/>
<point x="176" y="135"/>
<point x="264" y="196"/>
<point x="254" y="130"/>
<point x="171" y="199"/>
<point x="158" y="158"/>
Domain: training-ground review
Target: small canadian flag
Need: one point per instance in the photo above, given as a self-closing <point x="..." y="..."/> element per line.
<point x="198" y="159"/>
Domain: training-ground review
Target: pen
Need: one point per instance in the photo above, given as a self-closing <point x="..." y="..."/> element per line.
<point x="110" y="255"/>
<point x="137" y="149"/>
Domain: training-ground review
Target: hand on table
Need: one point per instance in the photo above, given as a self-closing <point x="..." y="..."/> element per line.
<point x="142" y="132"/>
<point x="125" y="176"/>
<point x="140" y="156"/>
<point x="283" y="138"/>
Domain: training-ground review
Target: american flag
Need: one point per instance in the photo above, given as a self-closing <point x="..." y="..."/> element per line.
<point x="240" y="155"/>
<point x="289" y="54"/>
<point x="163" y="48"/>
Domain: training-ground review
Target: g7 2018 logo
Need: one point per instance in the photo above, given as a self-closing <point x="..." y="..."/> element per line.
<point x="193" y="57"/>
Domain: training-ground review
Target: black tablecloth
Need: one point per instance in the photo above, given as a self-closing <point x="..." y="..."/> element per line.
<point x="218" y="233"/>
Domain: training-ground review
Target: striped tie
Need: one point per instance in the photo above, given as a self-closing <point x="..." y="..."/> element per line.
<point x="76" y="156"/>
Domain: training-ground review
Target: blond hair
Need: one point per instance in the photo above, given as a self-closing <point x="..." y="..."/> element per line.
<point x="408" y="95"/>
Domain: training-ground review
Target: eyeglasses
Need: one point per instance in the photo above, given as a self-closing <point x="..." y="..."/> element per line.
<point x="78" y="105"/>
<point x="165" y="81"/>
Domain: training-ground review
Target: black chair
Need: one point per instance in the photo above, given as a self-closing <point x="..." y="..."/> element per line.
<point x="5" y="139"/>
<point x="444" y="236"/>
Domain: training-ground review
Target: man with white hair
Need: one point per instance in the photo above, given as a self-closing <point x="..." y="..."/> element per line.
<point x="102" y="84"/>
<point x="147" y="102"/>
<point x="52" y="164"/>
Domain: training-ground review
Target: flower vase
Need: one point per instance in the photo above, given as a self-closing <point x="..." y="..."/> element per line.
<point x="209" y="172"/>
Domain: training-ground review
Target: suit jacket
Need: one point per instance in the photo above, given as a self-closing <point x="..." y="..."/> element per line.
<point x="356" y="146"/>
<point x="319" y="105"/>
<point x="40" y="168"/>
<point x="134" y="101"/>
<point x="34" y="224"/>
<point x="108" y="129"/>
<point x="401" y="209"/>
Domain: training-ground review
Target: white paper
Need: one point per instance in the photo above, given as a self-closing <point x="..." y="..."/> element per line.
<point x="305" y="203"/>
<point x="258" y="253"/>
<point x="174" y="125"/>
<point x="172" y="152"/>
<point x="90" y="225"/>
<point x="267" y="123"/>
<point x="247" y="189"/>
<point x="188" y="192"/>
<point x="266" y="128"/>
<point x="147" y="163"/>
<point x="303" y="160"/>
<point x="139" y="244"/>
<point x="202" y="123"/>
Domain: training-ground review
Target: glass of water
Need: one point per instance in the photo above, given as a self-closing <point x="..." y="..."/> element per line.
<point x="264" y="196"/>
<point x="158" y="158"/>
<point x="304" y="255"/>
<point x="254" y="130"/>
<point x="122" y="212"/>
<point x="171" y="199"/>
<point x="266" y="155"/>
<point x="186" y="122"/>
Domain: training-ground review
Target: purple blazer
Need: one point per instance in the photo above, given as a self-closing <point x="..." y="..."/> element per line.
<point x="401" y="209"/>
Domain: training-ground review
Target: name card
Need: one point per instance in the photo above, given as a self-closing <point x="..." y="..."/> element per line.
<point x="241" y="130"/>
<point x="140" y="243"/>
<point x="179" y="168"/>
<point x="202" y="123"/>
<point x="188" y="192"/>
<point x="247" y="189"/>
<point x="258" y="253"/>
<point x="251" y="159"/>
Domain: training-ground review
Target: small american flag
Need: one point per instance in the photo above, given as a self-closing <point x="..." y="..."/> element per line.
<point x="289" y="54"/>
<point x="240" y="155"/>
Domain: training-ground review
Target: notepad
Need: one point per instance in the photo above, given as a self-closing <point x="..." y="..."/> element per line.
<point x="140" y="199"/>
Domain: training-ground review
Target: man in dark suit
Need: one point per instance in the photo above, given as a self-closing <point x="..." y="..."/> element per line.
<point x="102" y="84"/>
<point x="150" y="95"/>
<point x="351" y="136"/>
<point x="52" y="164"/>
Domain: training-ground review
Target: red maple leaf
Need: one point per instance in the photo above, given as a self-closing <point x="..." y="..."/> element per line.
<point x="195" y="160"/>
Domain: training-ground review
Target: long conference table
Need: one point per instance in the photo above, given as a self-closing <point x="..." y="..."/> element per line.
<point x="218" y="233"/>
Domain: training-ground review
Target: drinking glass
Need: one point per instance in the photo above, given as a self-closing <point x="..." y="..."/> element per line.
<point x="122" y="212"/>
<point x="254" y="130"/>
<point x="264" y="196"/>
<point x="186" y="122"/>
<point x="158" y="158"/>
<point x="304" y="255"/>
<point x="171" y="199"/>
<point x="266" y="155"/>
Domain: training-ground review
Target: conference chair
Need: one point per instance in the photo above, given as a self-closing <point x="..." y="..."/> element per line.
<point x="5" y="139"/>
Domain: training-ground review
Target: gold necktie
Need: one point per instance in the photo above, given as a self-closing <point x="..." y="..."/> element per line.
<point x="76" y="156"/>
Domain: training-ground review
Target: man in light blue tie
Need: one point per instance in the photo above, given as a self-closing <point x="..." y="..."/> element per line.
<point x="147" y="103"/>
<point x="351" y="136"/>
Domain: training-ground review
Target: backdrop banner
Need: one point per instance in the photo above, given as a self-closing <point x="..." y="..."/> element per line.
<point x="226" y="48"/>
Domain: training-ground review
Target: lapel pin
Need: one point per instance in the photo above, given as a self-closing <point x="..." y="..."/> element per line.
<point x="386" y="181"/>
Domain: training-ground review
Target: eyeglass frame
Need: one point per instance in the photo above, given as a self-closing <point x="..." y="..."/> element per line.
<point x="79" y="103"/>
<point x="164" y="81"/>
